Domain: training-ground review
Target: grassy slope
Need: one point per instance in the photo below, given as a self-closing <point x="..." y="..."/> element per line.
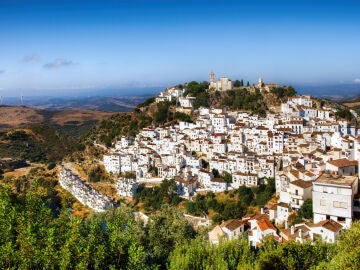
<point x="71" y="122"/>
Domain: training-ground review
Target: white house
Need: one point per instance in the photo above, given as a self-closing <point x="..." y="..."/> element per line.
<point x="229" y="229"/>
<point x="112" y="163"/>
<point x="300" y="191"/>
<point x="341" y="166"/>
<point x="328" y="230"/>
<point x="259" y="229"/>
<point x="218" y="185"/>
<point x="185" y="188"/>
<point x="126" y="187"/>
<point x="283" y="212"/>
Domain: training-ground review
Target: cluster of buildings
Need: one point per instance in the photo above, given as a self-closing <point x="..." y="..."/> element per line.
<point x="83" y="192"/>
<point x="310" y="153"/>
<point x="177" y="94"/>
<point x="186" y="103"/>
<point x="225" y="84"/>
<point x="258" y="226"/>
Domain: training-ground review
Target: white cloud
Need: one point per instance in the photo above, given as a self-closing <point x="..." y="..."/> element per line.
<point x="57" y="63"/>
<point x="32" y="58"/>
<point x="357" y="80"/>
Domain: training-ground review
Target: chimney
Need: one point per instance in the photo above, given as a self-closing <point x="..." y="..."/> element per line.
<point x="262" y="210"/>
<point x="292" y="229"/>
<point x="286" y="224"/>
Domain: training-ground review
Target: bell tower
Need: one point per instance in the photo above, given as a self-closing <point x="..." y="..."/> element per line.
<point x="212" y="79"/>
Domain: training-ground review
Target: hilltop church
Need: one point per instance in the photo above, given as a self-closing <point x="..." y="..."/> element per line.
<point x="222" y="84"/>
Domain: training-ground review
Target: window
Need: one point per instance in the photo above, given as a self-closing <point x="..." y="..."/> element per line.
<point x="296" y="192"/>
<point x="340" y="204"/>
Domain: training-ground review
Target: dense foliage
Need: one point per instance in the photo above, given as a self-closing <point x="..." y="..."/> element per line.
<point x="154" y="198"/>
<point x="127" y="124"/>
<point x="236" y="206"/>
<point x="33" y="237"/>
<point x="242" y="99"/>
<point x="284" y="92"/>
<point x="199" y="91"/>
<point x="164" y="114"/>
<point x="35" y="233"/>
<point x="237" y="254"/>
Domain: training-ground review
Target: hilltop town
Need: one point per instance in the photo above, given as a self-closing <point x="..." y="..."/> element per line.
<point x="311" y="154"/>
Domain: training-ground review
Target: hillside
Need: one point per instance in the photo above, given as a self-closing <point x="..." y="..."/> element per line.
<point x="35" y="143"/>
<point x="353" y="103"/>
<point x="71" y="122"/>
<point x="163" y="113"/>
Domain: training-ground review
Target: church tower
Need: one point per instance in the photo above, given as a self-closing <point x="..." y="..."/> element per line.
<point x="212" y="79"/>
<point x="261" y="82"/>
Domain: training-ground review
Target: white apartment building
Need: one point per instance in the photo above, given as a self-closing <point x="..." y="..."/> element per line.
<point x="333" y="198"/>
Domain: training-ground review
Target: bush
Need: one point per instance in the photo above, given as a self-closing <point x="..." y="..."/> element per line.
<point x="51" y="166"/>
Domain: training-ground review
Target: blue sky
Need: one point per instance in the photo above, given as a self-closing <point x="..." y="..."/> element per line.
<point x="72" y="45"/>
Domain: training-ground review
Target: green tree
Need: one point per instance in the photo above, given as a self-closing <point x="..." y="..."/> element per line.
<point x="227" y="177"/>
<point x="306" y="209"/>
<point x="347" y="250"/>
<point x="167" y="229"/>
<point x="237" y="83"/>
<point x="215" y="172"/>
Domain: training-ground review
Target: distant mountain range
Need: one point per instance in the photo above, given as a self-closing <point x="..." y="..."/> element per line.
<point x="99" y="103"/>
<point x="110" y="100"/>
<point x="124" y="100"/>
<point x="335" y="92"/>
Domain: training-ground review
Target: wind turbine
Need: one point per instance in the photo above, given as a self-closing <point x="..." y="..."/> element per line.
<point x="22" y="100"/>
<point x="1" y="100"/>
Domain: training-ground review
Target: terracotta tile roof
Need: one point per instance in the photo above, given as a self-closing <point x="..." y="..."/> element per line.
<point x="302" y="183"/>
<point x="329" y="224"/>
<point x="341" y="163"/>
<point x="218" y="180"/>
<point x="232" y="224"/>
<point x="310" y="174"/>
<point x="273" y="207"/>
<point x="287" y="232"/>
<point x="256" y="216"/>
<point x="295" y="173"/>
<point x="282" y="204"/>
<point x="265" y="224"/>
